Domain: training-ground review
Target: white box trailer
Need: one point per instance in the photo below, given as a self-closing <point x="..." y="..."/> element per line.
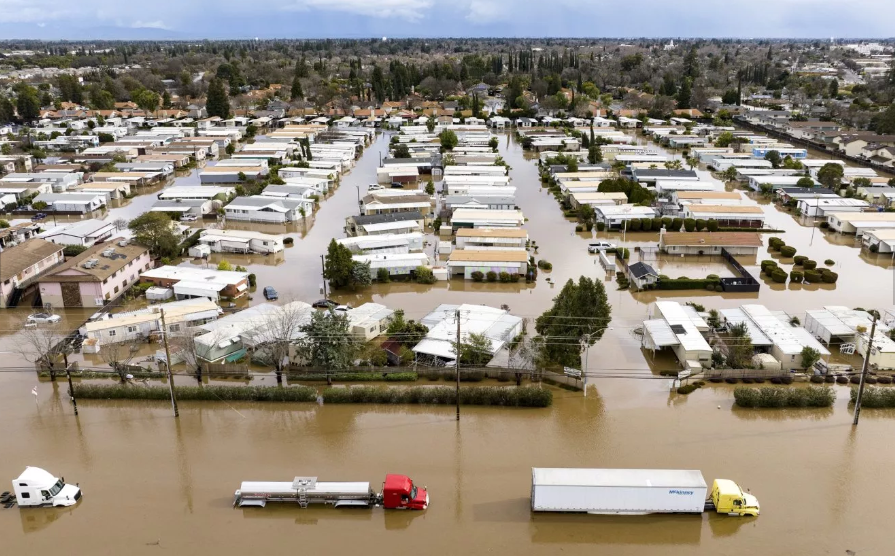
<point x="617" y="491"/>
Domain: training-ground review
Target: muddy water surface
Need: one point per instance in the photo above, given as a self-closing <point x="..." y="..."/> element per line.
<point x="155" y="483"/>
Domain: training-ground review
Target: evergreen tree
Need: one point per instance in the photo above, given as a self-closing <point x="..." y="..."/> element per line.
<point x="27" y="104"/>
<point x="685" y="94"/>
<point x="218" y="103"/>
<point x="166" y="100"/>
<point x="580" y="311"/>
<point x="296" y="93"/>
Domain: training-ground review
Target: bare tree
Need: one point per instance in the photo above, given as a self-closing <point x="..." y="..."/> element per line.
<point x="119" y="355"/>
<point x="276" y="333"/>
<point x="194" y="352"/>
<point x="45" y="346"/>
<point x="120" y="224"/>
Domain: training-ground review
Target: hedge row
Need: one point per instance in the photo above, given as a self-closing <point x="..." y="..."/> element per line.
<point x="205" y="393"/>
<point x="354" y="377"/>
<point x="525" y="396"/>
<point x="875" y="397"/>
<point x="812" y="396"/>
<point x="685" y="284"/>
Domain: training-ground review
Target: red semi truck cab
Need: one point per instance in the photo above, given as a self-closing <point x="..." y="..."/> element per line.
<point x="399" y="493"/>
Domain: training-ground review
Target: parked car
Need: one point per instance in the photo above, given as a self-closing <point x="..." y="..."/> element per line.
<point x="343" y="308"/>
<point x="374" y="187"/>
<point x="324" y="304"/>
<point x="38" y="216"/>
<point x="270" y="294"/>
<point x="189" y="218"/>
<point x="397" y="185"/>
<point x="44" y="318"/>
<point x="600" y="246"/>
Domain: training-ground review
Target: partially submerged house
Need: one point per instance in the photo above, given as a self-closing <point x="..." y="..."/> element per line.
<point x="709" y="243"/>
<point x="680" y="328"/>
<point x="439" y="345"/>
<point x="22" y="265"/>
<point x="469" y="260"/>
<point x="193" y="281"/>
<point x="100" y="274"/>
<point x="85" y="233"/>
<point x="241" y="241"/>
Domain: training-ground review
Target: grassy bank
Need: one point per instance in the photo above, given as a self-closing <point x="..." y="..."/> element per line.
<point x="205" y="393"/>
<point x="875" y="397"/>
<point x="353" y="377"/>
<point x="812" y="396"/>
<point x="511" y="396"/>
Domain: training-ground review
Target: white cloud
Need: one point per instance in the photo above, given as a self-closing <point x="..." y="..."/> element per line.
<point x="486" y="11"/>
<point x="410" y="10"/>
<point x="158" y="24"/>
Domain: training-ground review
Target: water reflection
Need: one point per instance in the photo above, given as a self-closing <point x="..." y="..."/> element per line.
<point x="615" y="530"/>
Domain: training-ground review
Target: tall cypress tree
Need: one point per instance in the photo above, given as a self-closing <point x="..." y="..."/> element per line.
<point x="217" y="104"/>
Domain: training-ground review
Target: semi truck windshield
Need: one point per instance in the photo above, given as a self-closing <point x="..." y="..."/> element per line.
<point x="54" y="490"/>
<point x="413" y="493"/>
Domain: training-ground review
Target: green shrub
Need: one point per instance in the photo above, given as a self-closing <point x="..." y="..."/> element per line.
<point x="775" y="243"/>
<point x="809" y="264"/>
<point x="684" y="283"/>
<point x="689" y="224"/>
<point x="795" y="276"/>
<point x="525" y="396"/>
<point x="73" y="250"/>
<point x="544" y="265"/>
<point x="601" y="226"/>
<point x="779" y="276"/>
<point x="204" y="393"/>
<point x="829" y="277"/>
<point x="799" y="259"/>
<point x="623" y="253"/>
<point x="491" y="276"/>
<point x="646" y="224"/>
<point x="686" y="389"/>
<point x="787" y="251"/>
<point x="505" y="277"/>
<point x="424" y="275"/>
<point x="811" y="396"/>
<point x="829" y="262"/>
<point x="288" y="240"/>
<point x="477" y="276"/>
<point x="382" y="275"/>
<point x="700" y="224"/>
<point x="812" y="276"/>
<point x="656" y="223"/>
<point x="875" y="397"/>
<point x="634" y="225"/>
<point x="666" y="221"/>
<point x="579" y="228"/>
<point x="712" y="225"/>
<point x="824" y="225"/>
<point x="676" y="224"/>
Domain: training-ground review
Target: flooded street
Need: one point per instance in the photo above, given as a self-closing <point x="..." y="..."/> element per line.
<point x="152" y="483"/>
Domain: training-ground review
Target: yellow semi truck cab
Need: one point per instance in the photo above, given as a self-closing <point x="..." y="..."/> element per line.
<point x="728" y="498"/>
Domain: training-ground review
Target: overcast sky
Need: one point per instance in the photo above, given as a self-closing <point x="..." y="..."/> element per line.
<point x="85" y="19"/>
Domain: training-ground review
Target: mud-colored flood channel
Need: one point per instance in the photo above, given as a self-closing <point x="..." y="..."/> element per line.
<point x="152" y="483"/>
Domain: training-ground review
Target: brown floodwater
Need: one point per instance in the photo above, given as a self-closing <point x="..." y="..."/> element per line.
<point x="154" y="483"/>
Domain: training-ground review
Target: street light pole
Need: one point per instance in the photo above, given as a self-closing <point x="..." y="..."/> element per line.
<point x="457" y="363"/>
<point x="168" y="365"/>
<point x="323" y="274"/>
<point x="864" y="373"/>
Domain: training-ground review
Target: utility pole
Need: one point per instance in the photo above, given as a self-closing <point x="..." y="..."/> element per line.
<point x="864" y="373"/>
<point x="323" y="274"/>
<point x="457" y="362"/>
<point x="71" y="389"/>
<point x="168" y="365"/>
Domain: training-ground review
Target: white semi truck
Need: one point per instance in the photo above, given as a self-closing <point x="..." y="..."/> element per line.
<point x="635" y="492"/>
<point x="36" y="487"/>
